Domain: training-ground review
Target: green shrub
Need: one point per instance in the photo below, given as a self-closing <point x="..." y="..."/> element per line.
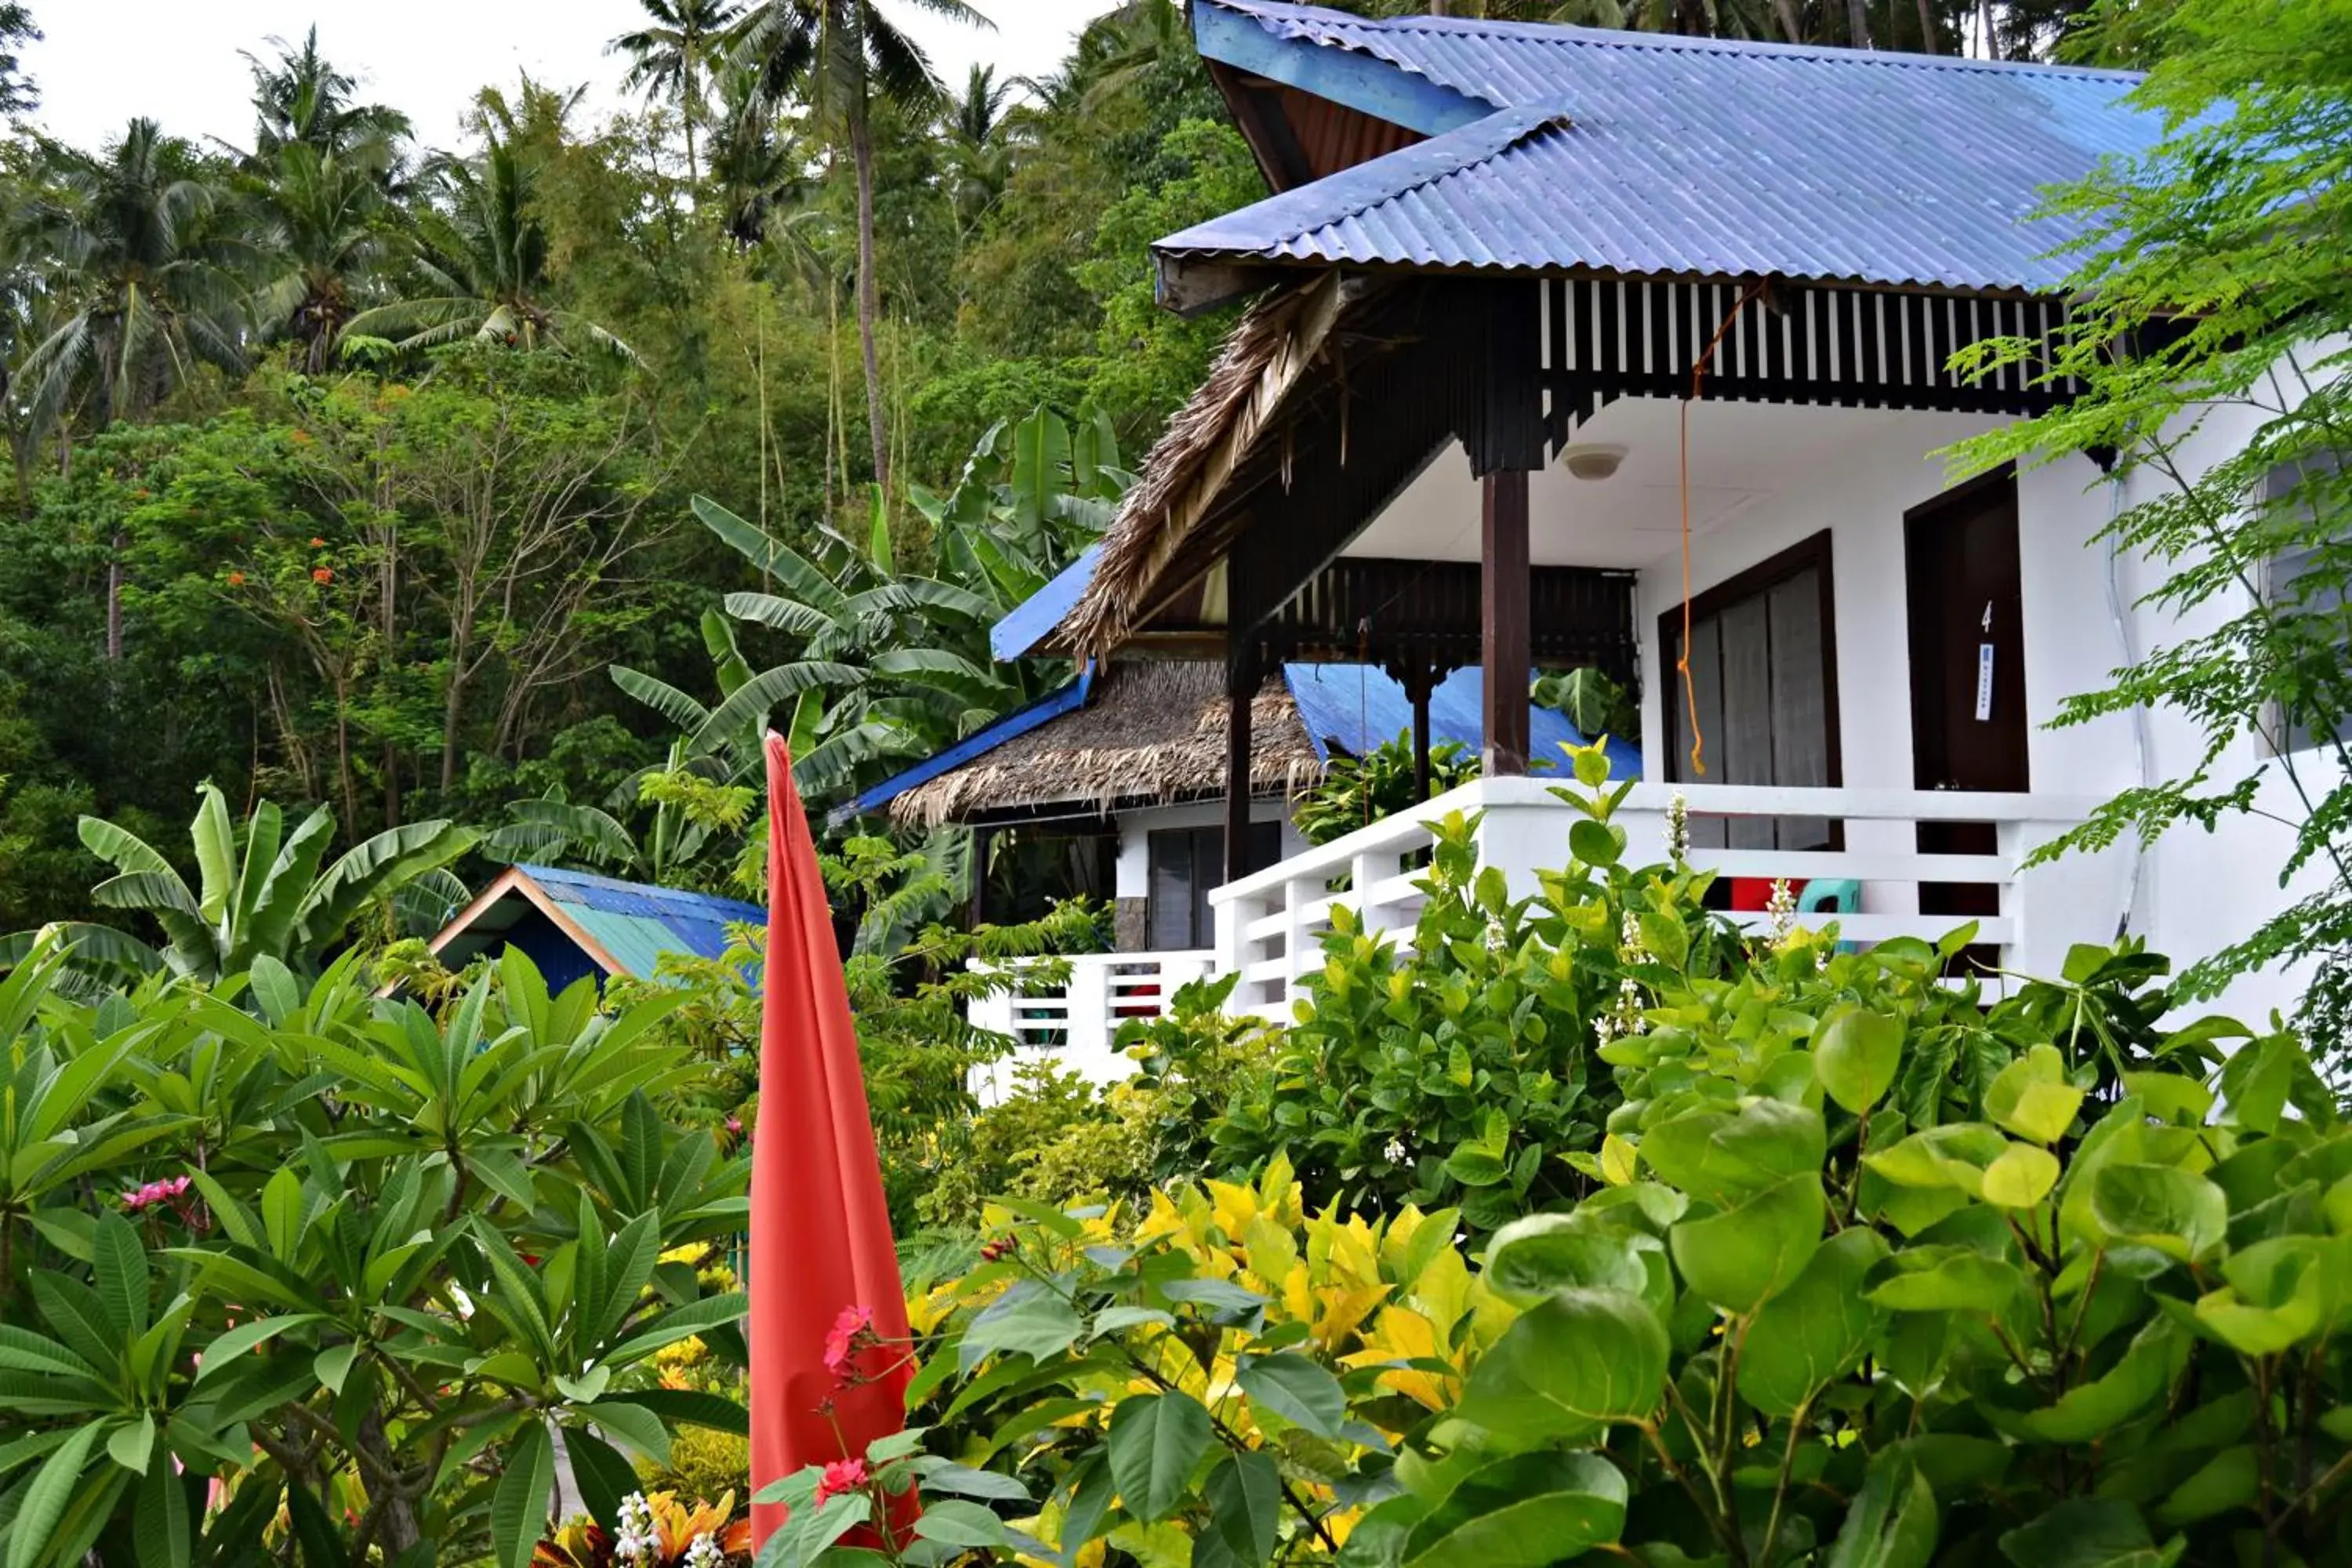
<point x="356" y="1263"/>
<point x="1790" y="1326"/>
<point x="1473" y="1069"/>
<point x="1355" y="792"/>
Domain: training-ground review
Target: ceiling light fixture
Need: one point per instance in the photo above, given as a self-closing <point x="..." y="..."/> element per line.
<point x="1593" y="462"/>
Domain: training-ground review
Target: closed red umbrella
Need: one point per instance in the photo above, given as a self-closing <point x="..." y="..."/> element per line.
<point x="821" y="1241"/>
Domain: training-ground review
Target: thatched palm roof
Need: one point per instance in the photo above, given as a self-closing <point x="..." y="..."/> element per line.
<point x="1261" y="368"/>
<point x="1153" y="734"/>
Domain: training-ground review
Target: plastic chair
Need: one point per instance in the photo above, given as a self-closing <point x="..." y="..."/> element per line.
<point x="1832" y="895"/>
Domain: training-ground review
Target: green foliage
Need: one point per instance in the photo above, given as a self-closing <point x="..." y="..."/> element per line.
<point x="262" y="894"/>
<point x="343" y="1259"/>
<point x="2218" y="309"/>
<point x="1790" y="1325"/>
<point x="1355" y="792"/>
<point x="1466" y="1070"/>
<point x="1591" y="700"/>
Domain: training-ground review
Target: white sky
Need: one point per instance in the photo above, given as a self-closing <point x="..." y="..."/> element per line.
<point x="104" y="62"/>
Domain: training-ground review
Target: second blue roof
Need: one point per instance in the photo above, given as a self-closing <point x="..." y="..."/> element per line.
<point x="1649" y="155"/>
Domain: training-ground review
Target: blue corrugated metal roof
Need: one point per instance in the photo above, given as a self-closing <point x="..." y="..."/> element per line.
<point x="1652" y="155"/>
<point x="1356" y="707"/>
<point x="1020" y="721"/>
<point x="1033" y="619"/>
<point x="637" y="922"/>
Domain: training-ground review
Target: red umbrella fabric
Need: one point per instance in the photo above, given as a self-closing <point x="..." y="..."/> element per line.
<point x="821" y="1241"/>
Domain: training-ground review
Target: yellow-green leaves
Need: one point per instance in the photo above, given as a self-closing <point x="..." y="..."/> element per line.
<point x="2021" y="1176"/>
<point x="2031" y="1097"/>
<point x="2180" y="1214"/>
<point x="1578" y="1360"/>
<point x="1943" y="1278"/>
<point x="1816" y="1330"/>
<point x="1855" y="1054"/>
<point x="1530" y="1258"/>
<point x="1522" y="1512"/>
<point x="1742" y="1257"/>
<point x="1956" y="1155"/>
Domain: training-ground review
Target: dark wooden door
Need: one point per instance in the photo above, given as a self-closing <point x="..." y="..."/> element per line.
<point x="1967" y="669"/>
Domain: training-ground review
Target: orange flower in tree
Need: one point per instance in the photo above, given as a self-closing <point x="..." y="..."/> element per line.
<point x="237" y="579"/>
<point x="321" y="574"/>
<point x="301" y="437"/>
<point x="316" y="543"/>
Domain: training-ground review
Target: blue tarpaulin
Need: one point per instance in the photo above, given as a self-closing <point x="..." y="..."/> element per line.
<point x="1356" y="707"/>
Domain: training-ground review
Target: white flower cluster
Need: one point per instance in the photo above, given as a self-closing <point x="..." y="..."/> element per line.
<point x="1780" y="911"/>
<point x="1394" y="1151"/>
<point x="705" y="1552"/>
<point x="1624" y="1014"/>
<point x="637" y="1540"/>
<point x="1677" y="828"/>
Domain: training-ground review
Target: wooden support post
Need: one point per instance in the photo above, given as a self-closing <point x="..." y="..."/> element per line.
<point x="978" y="877"/>
<point x="1503" y="585"/>
<point x="1241" y="692"/>
<point x="1420" y="690"/>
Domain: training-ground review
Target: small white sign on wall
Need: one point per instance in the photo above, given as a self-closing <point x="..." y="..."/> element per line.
<point x="1984" y="683"/>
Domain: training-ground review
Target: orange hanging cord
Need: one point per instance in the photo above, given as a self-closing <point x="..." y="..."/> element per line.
<point x="1682" y="664"/>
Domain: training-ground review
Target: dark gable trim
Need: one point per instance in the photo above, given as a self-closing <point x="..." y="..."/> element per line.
<point x="1605" y="339"/>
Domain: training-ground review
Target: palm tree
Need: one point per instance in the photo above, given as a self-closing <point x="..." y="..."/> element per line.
<point x="979" y="147"/>
<point x="672" y="58"/>
<point x="839" y="56"/>
<point x="138" y="290"/>
<point x="300" y="98"/>
<point x="483" y="258"/>
<point x="140" y="279"/>
<point x="319" y="231"/>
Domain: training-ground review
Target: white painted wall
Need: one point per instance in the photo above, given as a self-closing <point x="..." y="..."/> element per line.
<point x="2193" y="892"/>
<point x="1135" y="827"/>
<point x="1859" y="491"/>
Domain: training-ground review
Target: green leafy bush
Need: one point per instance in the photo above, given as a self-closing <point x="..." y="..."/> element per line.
<point x="1471" y="1067"/>
<point x="356" y="1264"/>
<point x="1355" y="792"/>
<point x="1790" y="1326"/>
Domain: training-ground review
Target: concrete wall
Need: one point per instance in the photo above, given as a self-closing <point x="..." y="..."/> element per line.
<point x="2189" y="896"/>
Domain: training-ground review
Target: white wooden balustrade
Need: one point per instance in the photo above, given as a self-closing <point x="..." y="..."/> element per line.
<point x="1269" y="925"/>
<point x="1075" y="1022"/>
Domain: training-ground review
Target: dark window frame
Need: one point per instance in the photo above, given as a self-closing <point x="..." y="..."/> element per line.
<point x="1813" y="554"/>
<point x="1205" y="847"/>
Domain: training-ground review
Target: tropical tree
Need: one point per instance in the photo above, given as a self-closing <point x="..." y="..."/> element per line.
<point x="672" y="58"/>
<point x="893" y="663"/>
<point x="2211" y="272"/>
<point x="482" y="260"/>
<point x="139" y="277"/>
<point x="260" y="893"/>
<point x="300" y="96"/>
<point x="321" y="237"/>
<point x="840" y="56"/>
<point x="326" y="1270"/>
<point x="17" y="93"/>
<point x="979" y="127"/>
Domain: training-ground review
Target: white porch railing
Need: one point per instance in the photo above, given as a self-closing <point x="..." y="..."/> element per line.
<point x="1075" y="1023"/>
<point x="1269" y="925"/>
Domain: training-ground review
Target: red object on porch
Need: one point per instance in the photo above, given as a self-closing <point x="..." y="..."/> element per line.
<point x="820" y="1229"/>
<point x="1754" y="893"/>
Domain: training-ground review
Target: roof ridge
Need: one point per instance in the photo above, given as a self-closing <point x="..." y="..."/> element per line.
<point x="1629" y="38"/>
<point x="1446" y="154"/>
<point x="607" y="879"/>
